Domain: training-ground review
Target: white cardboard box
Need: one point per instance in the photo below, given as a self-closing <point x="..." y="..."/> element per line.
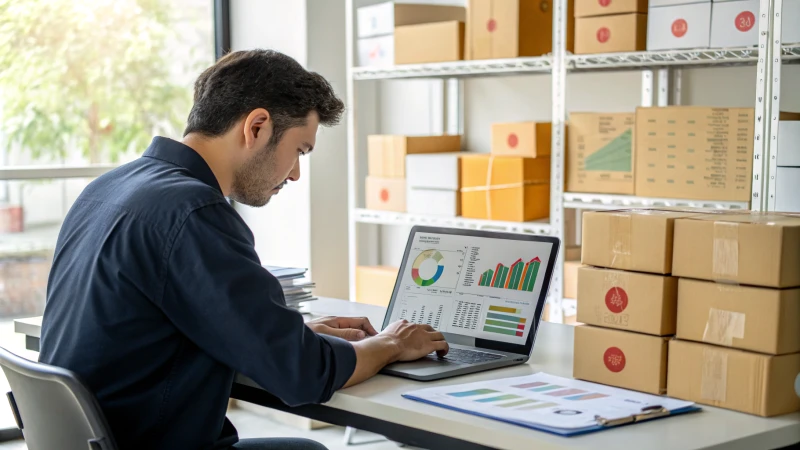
<point x="677" y="27"/>
<point x="789" y="143"/>
<point x="375" y="20"/>
<point x="659" y="3"/>
<point x="434" y="171"/>
<point x="734" y="23"/>
<point x="788" y="185"/>
<point x="439" y="202"/>
<point x="376" y="51"/>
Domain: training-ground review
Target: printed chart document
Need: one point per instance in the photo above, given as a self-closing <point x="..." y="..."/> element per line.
<point x="549" y="403"/>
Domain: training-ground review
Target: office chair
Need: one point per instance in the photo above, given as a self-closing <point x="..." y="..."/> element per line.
<point x="53" y="408"/>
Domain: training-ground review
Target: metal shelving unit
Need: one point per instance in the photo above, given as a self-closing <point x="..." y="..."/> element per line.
<point x="557" y="65"/>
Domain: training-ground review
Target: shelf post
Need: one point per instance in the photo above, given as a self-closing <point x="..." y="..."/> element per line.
<point x="775" y="106"/>
<point x="352" y="164"/>
<point x="760" y="186"/>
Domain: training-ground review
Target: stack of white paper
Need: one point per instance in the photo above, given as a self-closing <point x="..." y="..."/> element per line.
<point x="296" y="286"/>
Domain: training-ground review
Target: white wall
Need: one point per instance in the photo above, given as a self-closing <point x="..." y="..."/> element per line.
<point x="282" y="228"/>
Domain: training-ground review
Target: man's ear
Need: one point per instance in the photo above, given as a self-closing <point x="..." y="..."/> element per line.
<point x="257" y="127"/>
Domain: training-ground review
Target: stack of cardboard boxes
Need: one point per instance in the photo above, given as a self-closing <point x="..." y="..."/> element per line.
<point x="386" y="181"/>
<point x="606" y="26"/>
<point x="513" y="182"/>
<point x="626" y="298"/>
<point x="738" y="340"/>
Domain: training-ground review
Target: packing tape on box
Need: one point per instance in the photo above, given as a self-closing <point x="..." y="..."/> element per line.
<point x="714" y="379"/>
<point x="723" y="326"/>
<point x="489" y="187"/>
<point x="620" y="236"/>
<point x="725" y="260"/>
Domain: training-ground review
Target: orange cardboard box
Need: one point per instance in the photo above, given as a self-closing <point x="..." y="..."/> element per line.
<point x="529" y="139"/>
<point x="429" y="43"/>
<point x="733" y="379"/>
<point x="512" y="28"/>
<point x="611" y="34"/>
<point x="505" y="188"/>
<point x="632" y="301"/>
<point x="621" y="358"/>
<point x="374" y="284"/>
<point x="386" y="194"/>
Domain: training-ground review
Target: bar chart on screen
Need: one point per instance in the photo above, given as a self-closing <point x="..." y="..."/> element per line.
<point x="505" y="320"/>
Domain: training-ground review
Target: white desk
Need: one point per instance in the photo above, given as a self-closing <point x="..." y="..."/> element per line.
<point x="379" y="399"/>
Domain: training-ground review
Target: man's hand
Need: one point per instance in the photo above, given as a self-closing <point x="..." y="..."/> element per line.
<point x="415" y="341"/>
<point x="348" y="328"/>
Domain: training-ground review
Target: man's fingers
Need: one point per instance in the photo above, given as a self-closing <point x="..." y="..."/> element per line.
<point x="427" y="327"/>
<point x="349" y="334"/>
<point x="357" y="322"/>
<point x="436" y="336"/>
<point x="367" y="326"/>
<point x="441" y="347"/>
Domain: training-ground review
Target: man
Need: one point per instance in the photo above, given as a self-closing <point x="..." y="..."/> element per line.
<point x="156" y="296"/>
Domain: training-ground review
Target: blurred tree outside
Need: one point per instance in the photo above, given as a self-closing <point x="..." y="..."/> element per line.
<point x="98" y="78"/>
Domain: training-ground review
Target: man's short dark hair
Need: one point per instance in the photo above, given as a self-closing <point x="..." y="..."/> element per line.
<point x="246" y="80"/>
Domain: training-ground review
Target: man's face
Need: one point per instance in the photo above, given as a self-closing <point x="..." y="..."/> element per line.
<point x="272" y="165"/>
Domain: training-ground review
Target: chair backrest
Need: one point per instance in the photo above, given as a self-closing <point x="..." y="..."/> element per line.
<point x="53" y="408"/>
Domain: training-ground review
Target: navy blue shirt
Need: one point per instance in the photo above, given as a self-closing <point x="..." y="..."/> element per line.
<point x="156" y="298"/>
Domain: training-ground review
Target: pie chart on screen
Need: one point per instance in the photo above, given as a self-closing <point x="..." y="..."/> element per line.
<point x="427" y="268"/>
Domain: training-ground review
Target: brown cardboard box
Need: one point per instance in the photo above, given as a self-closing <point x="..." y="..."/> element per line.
<point x="600" y="157"/>
<point x="633" y="239"/>
<point x="754" y="249"/>
<point x="374" y="284"/>
<point x="611" y="34"/>
<point x="571" y="279"/>
<point x="621" y="358"/>
<point x="512" y="28"/>
<point x="531" y="139"/>
<point x="630" y="301"/>
<point x="734" y="379"/>
<point x="382" y="18"/>
<point x="750" y="318"/>
<point x="429" y="42"/>
<point x="386" y="194"/>
<point x="572" y="253"/>
<point x="387" y="153"/>
<point x="589" y="8"/>
<point x="694" y="152"/>
<point x="505" y="188"/>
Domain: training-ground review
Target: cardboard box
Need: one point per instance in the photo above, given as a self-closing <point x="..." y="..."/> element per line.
<point x="571" y="279"/>
<point x="433" y="182"/>
<point x="629" y="301"/>
<point x="505" y="188"/>
<point x="754" y="249"/>
<point x="591" y="8"/>
<point x="679" y="26"/>
<point x="788" y="185"/>
<point x="374" y="284"/>
<point x="634" y="239"/>
<point x="386" y="194"/>
<point x="734" y="23"/>
<point x="530" y="139"/>
<point x="387" y="153"/>
<point x="694" y="152"/>
<point x="383" y="18"/>
<point x="429" y="42"/>
<point x="376" y="51"/>
<point x="749" y="318"/>
<point x="512" y="28"/>
<point x="789" y="142"/>
<point x="621" y="358"/>
<point x="572" y="253"/>
<point x="610" y="34"/>
<point x="600" y="156"/>
<point x="733" y="379"/>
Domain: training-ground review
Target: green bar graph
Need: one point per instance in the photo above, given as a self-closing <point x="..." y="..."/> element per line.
<point x="498" y="398"/>
<point x="514" y="319"/>
<point x="500" y="331"/>
<point x="471" y="393"/>
<point x="498" y="323"/>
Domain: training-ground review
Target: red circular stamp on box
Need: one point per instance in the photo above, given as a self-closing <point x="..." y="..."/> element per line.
<point x="679" y="28"/>
<point x="604" y="3"/>
<point x="603" y="35"/>
<point x="513" y="140"/>
<point x="614" y="359"/>
<point x="745" y="21"/>
<point x="616" y="300"/>
<point x="491" y="25"/>
<point x="384" y="195"/>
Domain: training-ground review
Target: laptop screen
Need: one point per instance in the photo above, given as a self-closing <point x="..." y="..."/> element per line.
<point x="475" y="286"/>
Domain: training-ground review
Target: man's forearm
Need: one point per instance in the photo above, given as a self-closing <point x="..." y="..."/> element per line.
<point x="372" y="355"/>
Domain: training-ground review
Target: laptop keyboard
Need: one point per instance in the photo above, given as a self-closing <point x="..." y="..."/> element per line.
<point x="464" y="356"/>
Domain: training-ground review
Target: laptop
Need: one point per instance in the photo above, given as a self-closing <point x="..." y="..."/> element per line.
<point x="485" y="291"/>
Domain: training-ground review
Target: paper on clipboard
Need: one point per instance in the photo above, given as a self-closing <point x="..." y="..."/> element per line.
<point x="556" y="404"/>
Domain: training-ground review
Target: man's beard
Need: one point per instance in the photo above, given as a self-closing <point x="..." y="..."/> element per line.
<point x="253" y="181"/>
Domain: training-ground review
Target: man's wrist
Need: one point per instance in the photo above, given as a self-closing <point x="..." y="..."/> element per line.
<point x="387" y="346"/>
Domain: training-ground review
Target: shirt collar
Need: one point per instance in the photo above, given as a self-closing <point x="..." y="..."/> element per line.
<point x="182" y="155"/>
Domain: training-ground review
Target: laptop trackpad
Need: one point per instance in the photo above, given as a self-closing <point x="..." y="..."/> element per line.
<point x="421" y="364"/>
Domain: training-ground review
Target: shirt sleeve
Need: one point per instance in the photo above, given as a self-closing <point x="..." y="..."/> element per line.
<point x="220" y="297"/>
